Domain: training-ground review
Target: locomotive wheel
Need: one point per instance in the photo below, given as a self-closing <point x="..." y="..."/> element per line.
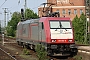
<point x="27" y="47"/>
<point x="18" y="43"/>
<point x="23" y="46"/>
<point x="31" y="46"/>
<point x="50" y="53"/>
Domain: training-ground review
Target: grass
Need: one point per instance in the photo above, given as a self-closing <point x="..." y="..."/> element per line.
<point x="26" y="52"/>
<point x="78" y="57"/>
<point x="0" y="40"/>
<point x="28" y="57"/>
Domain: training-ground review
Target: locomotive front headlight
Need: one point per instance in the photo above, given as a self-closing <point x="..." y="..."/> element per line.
<point x="53" y="40"/>
<point x="69" y="40"/>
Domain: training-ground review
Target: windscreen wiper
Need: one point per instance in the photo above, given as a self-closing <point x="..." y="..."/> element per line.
<point x="62" y="26"/>
<point x="57" y="28"/>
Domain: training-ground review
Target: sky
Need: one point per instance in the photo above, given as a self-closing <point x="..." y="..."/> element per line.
<point x="16" y="5"/>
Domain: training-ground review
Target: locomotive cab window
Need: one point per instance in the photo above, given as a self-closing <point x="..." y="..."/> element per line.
<point x="65" y="24"/>
<point x="54" y="24"/>
<point x="60" y="24"/>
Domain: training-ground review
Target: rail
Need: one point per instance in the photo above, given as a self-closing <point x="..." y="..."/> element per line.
<point x="8" y="54"/>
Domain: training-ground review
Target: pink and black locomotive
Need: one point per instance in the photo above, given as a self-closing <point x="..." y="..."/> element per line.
<point x="54" y="33"/>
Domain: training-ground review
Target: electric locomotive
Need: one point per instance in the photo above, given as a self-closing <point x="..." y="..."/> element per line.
<point x="54" y="33"/>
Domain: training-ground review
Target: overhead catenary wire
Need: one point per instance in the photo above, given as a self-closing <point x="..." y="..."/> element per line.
<point x="11" y="6"/>
<point x="15" y="6"/>
<point x="3" y="3"/>
<point x="36" y="7"/>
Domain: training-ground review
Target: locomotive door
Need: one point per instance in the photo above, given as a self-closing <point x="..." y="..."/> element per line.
<point x="40" y="31"/>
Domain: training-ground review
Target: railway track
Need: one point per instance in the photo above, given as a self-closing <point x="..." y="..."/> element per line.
<point x="62" y="58"/>
<point x="5" y="56"/>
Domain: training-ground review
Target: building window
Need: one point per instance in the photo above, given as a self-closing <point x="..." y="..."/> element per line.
<point x="63" y="11"/>
<point x="49" y="11"/>
<point x="57" y="10"/>
<point x="69" y="11"/>
<point x="75" y="11"/>
<point x="81" y="11"/>
<point x="87" y="11"/>
<point x="87" y="2"/>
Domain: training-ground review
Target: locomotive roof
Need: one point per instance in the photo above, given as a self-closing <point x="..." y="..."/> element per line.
<point x="30" y="21"/>
<point x="44" y="18"/>
<point x="54" y="18"/>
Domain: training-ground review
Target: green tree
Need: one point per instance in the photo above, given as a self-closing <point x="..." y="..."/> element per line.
<point x="29" y="14"/>
<point x="12" y="24"/>
<point x="79" y="25"/>
<point x="75" y="23"/>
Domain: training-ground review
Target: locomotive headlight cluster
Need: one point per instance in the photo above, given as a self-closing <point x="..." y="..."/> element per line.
<point x="61" y="40"/>
<point x="53" y="40"/>
<point x="69" y="40"/>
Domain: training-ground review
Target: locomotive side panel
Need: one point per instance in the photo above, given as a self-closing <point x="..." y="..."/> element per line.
<point x="25" y="31"/>
<point x="19" y="32"/>
<point x="34" y="31"/>
<point x="43" y="36"/>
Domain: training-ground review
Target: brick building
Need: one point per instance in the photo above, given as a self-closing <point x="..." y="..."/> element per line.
<point x="67" y="8"/>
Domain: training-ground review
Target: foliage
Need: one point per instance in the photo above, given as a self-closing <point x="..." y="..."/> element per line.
<point x="29" y="14"/>
<point x="41" y="52"/>
<point x="25" y="51"/>
<point x="78" y="57"/>
<point x="88" y="38"/>
<point x="75" y="26"/>
<point x="79" y="25"/>
<point x="12" y="24"/>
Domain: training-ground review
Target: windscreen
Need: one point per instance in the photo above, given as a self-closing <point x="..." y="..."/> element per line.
<point x="60" y="24"/>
